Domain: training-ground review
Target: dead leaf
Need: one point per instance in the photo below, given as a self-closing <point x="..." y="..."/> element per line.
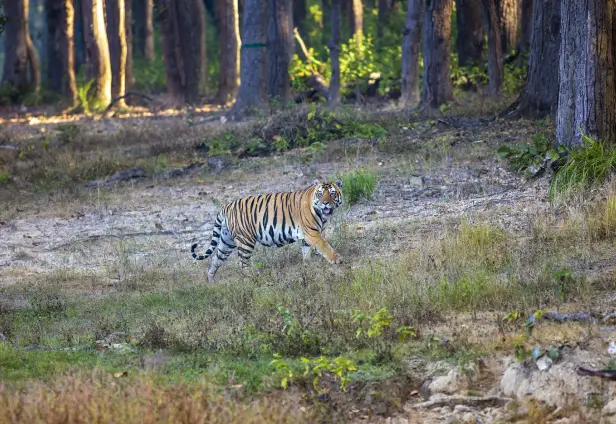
<point x="414" y="393"/>
<point x="120" y="374"/>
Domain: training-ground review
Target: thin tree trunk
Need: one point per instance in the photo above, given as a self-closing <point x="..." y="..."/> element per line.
<point x="357" y="30"/>
<point x="540" y="95"/>
<point x="60" y="16"/>
<point x="279" y="45"/>
<point x="496" y="70"/>
<point x="469" y="41"/>
<point x="116" y="34"/>
<point x="508" y="12"/>
<point x="33" y="60"/>
<point x="326" y="22"/>
<point x="383" y="14"/>
<point x="130" y="79"/>
<point x="587" y="86"/>
<point x="15" y="72"/>
<point x="144" y="28"/>
<point x="411" y="44"/>
<point x="253" y="66"/>
<point x="437" y="86"/>
<point x="333" y="98"/>
<point x="229" y="38"/>
<point x="98" y="64"/>
<point x="174" y="63"/>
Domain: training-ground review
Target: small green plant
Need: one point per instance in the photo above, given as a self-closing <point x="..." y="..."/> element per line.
<point x="564" y="281"/>
<point x="587" y="166"/>
<point x="84" y="97"/>
<point x="372" y="325"/>
<point x="340" y="367"/>
<point x="532" y="160"/>
<point x="357" y="185"/>
<point x="282" y="369"/>
<point x="4" y="177"/>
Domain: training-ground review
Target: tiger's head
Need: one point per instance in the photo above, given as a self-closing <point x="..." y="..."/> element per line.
<point x="327" y="197"/>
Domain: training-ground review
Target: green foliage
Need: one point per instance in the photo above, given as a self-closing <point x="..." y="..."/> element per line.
<point x="585" y="167"/>
<point x="85" y="98"/>
<point x="564" y="283"/>
<point x="358" y="185"/>
<point x="4" y="177"/>
<point x="340" y="368"/>
<point x="68" y="133"/>
<point x="372" y="325"/>
<point x="534" y="159"/>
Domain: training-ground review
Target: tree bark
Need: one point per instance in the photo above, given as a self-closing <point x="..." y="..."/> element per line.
<point x="279" y="46"/>
<point x="144" y="28"/>
<point x="411" y="43"/>
<point x="469" y="41"/>
<point x="587" y="86"/>
<point x="183" y="34"/>
<point x="116" y="34"/>
<point x="98" y="65"/>
<point x="508" y="12"/>
<point x="540" y="95"/>
<point x="33" y="64"/>
<point x="253" y="86"/>
<point x="229" y="36"/>
<point x="437" y="86"/>
<point x="15" y="72"/>
<point x="496" y="69"/>
<point x="60" y="16"/>
<point x="527" y="25"/>
<point x="333" y="98"/>
<point x="130" y="79"/>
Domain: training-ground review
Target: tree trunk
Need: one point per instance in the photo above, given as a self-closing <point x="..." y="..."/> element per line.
<point x="116" y="34"/>
<point x="183" y="34"/>
<point x="60" y="16"/>
<point x="15" y="72"/>
<point x="437" y="86"/>
<point x="144" y="28"/>
<point x="357" y="22"/>
<point x="540" y="95"/>
<point x="279" y="45"/>
<point x="469" y="41"/>
<point x="229" y="36"/>
<point x="299" y="16"/>
<point x="384" y="9"/>
<point x="508" y="12"/>
<point x="527" y="25"/>
<point x="587" y="86"/>
<point x="33" y="64"/>
<point x="253" y="85"/>
<point x="496" y="70"/>
<point x="326" y="22"/>
<point x="191" y="15"/>
<point x="411" y="43"/>
<point x="333" y="98"/>
<point x="98" y="65"/>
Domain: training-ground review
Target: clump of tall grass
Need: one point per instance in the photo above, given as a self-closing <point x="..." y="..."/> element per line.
<point x="357" y="185"/>
<point x="586" y="167"/>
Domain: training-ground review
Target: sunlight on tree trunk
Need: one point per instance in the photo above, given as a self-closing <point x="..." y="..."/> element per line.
<point x="587" y="87"/>
<point x="508" y="13"/>
<point x="411" y="44"/>
<point x="116" y="34"/>
<point x="98" y="66"/>
<point x="229" y="36"/>
<point x="437" y="85"/>
<point x="357" y="29"/>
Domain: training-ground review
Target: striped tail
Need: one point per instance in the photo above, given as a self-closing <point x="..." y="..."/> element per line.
<point x="213" y="243"/>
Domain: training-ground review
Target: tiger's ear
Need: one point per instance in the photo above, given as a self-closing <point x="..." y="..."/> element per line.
<point x="315" y="182"/>
<point x="339" y="183"/>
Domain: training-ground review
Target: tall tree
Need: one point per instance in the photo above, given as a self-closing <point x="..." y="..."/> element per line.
<point x="496" y="69"/>
<point x="333" y="98"/>
<point x="587" y="82"/>
<point x="116" y="34"/>
<point x="527" y="25"/>
<point x="229" y="39"/>
<point x="130" y="79"/>
<point x="508" y="12"/>
<point x="253" y="85"/>
<point x="357" y="22"/>
<point x="469" y="41"/>
<point x="144" y="28"/>
<point x="183" y="34"/>
<point x="411" y="43"/>
<point x="437" y="86"/>
<point x="279" y="47"/>
<point x="18" y="49"/>
<point x="60" y="16"/>
<point x="540" y="95"/>
<point x="98" y="64"/>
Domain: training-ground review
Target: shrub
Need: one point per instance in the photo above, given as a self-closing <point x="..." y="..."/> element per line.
<point x="357" y="185"/>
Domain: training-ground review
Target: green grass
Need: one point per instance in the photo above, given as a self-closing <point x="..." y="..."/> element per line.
<point x="358" y="185"/>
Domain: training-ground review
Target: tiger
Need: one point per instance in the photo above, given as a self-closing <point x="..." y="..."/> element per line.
<point x="274" y="219"/>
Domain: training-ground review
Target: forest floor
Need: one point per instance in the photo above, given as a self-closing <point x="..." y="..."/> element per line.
<point x="99" y="294"/>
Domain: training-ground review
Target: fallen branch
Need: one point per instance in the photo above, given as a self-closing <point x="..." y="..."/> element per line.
<point x="606" y="374"/>
<point x="452" y="401"/>
<point x="127" y="94"/>
<point x="302" y="45"/>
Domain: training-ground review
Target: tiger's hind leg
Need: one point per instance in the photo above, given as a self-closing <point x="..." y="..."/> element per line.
<point x="224" y="249"/>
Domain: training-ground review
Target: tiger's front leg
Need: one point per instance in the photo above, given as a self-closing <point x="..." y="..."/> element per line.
<point x="323" y="247"/>
<point x="307" y="250"/>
